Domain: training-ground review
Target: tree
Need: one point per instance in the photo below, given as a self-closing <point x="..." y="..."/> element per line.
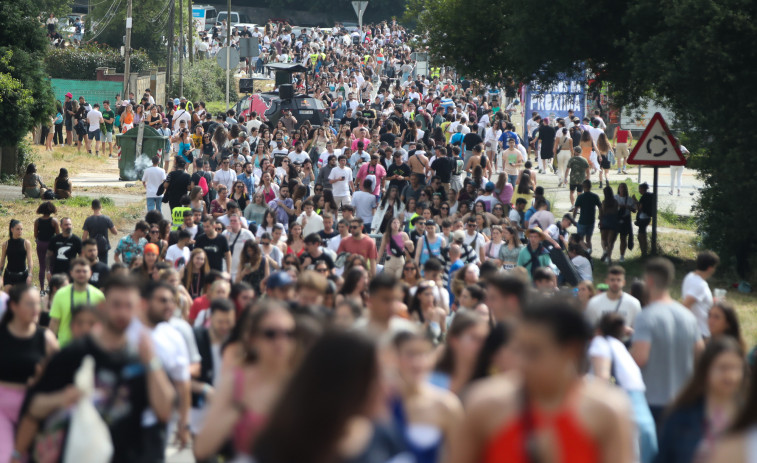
<point x="27" y="96"/>
<point x="693" y="56"/>
<point x="107" y="24"/>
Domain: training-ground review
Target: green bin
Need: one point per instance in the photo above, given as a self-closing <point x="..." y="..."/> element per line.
<point x="131" y="166"/>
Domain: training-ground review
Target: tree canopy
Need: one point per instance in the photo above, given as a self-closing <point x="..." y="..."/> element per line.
<point x="27" y="97"/>
<point x="691" y="55"/>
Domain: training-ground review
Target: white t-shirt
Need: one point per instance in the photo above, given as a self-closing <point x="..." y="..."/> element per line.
<point x="178" y="257"/>
<point x="627" y="305"/>
<point x="298" y="158"/>
<point x="181" y="115"/>
<point x="93" y="117"/>
<point x="225" y="177"/>
<point x="364" y="205"/>
<point x="341" y="188"/>
<point x="696" y="286"/>
<point x="475" y="240"/>
<point x="313" y="224"/>
<point x="626" y="371"/>
<point x="153" y="177"/>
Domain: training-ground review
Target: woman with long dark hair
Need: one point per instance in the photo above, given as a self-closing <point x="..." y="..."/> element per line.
<point x="62" y="185"/>
<point x="268" y="224"/>
<point x="25" y="346"/>
<point x="17" y="251"/>
<point x="254" y="267"/>
<point x="497" y="355"/>
<point x="352" y="402"/>
<point x="390" y="206"/>
<point x="424" y="414"/>
<point x="248" y="391"/>
<point x="32" y="185"/>
<point x="355" y="285"/>
<point x="626" y="204"/>
<point x="45" y="228"/>
<point x="195" y="271"/>
<point x="465" y="337"/>
<point x="395" y="243"/>
<point x="722" y="320"/>
<point x="707" y="406"/>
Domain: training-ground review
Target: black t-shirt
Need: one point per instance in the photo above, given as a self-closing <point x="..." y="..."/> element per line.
<point x="97" y="226"/>
<point x="64" y="250"/>
<point x="388" y="137"/>
<point x="403" y="170"/>
<point x="314" y="260"/>
<point x="178" y="181"/>
<point x="121" y="395"/>
<point x="348" y="120"/>
<point x="216" y="249"/>
<point x="471" y="140"/>
<point x="443" y="167"/>
<point x="100" y="273"/>
<point x="547" y="137"/>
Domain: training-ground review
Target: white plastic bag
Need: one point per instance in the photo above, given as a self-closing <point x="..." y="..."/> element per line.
<point x="88" y="436"/>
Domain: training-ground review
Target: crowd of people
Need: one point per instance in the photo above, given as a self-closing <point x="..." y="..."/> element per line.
<point x="391" y="286"/>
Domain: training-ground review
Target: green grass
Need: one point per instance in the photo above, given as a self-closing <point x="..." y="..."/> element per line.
<point x="666" y="217"/>
<point x="681" y="249"/>
<point x="216" y="107"/>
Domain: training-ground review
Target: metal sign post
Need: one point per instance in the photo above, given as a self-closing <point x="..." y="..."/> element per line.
<point x="360" y="7"/>
<point x="657" y="147"/>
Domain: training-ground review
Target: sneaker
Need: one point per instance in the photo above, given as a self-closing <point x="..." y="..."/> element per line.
<point x="622" y="259"/>
<point x="670" y="192"/>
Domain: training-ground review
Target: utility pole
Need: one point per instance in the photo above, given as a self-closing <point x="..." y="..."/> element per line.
<point x="169" y="67"/>
<point x="127" y="50"/>
<point x="181" y="48"/>
<point x="190" y="32"/>
<point x="228" y="52"/>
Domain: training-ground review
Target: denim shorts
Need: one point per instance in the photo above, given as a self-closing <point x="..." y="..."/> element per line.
<point x="94" y="135"/>
<point x="584" y="230"/>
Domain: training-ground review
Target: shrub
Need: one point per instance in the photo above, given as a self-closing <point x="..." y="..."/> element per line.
<point x="204" y="80"/>
<point x="82" y="63"/>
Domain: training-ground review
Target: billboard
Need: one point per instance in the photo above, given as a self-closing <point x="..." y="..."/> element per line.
<point x="556" y="99"/>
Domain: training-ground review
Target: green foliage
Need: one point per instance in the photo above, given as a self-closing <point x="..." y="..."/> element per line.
<point x="150" y="25"/>
<point x="86" y="201"/>
<point x="58" y="7"/>
<point x="204" y="80"/>
<point x="27" y="96"/>
<point x="690" y="55"/>
<point x="82" y="63"/>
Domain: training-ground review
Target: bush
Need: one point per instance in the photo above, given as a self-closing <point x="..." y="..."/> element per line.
<point x="82" y="63"/>
<point x="204" y="80"/>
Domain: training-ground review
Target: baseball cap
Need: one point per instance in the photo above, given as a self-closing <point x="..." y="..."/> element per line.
<point x="279" y="280"/>
<point x="430" y="223"/>
<point x="165" y="120"/>
<point x="69" y="95"/>
<point x="176" y="101"/>
<point x="489" y="186"/>
<point x="569" y="218"/>
<point x="458" y="235"/>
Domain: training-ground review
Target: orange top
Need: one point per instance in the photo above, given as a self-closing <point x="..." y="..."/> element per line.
<point x="128" y="118"/>
<point x="574" y="444"/>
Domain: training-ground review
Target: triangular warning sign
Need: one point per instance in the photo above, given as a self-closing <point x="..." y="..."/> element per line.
<point x="657" y="146"/>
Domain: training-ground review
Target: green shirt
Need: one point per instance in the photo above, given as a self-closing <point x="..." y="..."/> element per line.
<point x="525" y="261"/>
<point x="577" y="166"/>
<point x="109" y="114"/>
<point x="61" y="308"/>
<point x="587" y="202"/>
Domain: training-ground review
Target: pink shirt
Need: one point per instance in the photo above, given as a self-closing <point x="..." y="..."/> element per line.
<point x="365" y="141"/>
<point x="367" y="169"/>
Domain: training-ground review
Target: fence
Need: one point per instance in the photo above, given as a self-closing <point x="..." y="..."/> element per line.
<point x="93" y="91"/>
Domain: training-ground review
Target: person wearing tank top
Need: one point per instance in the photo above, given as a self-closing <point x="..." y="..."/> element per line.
<point x="17" y="252"/>
<point x="24" y="345"/>
<point x="620" y="143"/>
<point x="429" y="245"/>
<point x="546" y="411"/>
<point x="45" y="228"/>
<point x="425" y="415"/>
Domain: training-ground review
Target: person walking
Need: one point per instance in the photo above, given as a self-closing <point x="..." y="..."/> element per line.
<point x="97" y="226"/>
<point x="152" y="178"/>
<point x="17" y="252"/>
<point x="66" y="299"/>
<point x="45" y="228"/>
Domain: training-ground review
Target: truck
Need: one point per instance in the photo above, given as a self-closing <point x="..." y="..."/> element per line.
<point x="203" y="15"/>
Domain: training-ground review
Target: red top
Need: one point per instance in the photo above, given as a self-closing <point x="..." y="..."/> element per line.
<point x="622" y="136"/>
<point x="574" y="444"/>
<point x="365" y="247"/>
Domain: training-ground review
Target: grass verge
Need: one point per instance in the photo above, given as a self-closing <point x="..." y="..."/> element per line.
<point x="680" y="248"/>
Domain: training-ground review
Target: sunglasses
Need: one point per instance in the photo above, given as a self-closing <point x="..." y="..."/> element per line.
<point x="407" y="269"/>
<point x="471" y="224"/>
<point x="445" y="208"/>
<point x="322" y="270"/>
<point x="273" y="334"/>
<point x="265" y="243"/>
<point x="154" y="232"/>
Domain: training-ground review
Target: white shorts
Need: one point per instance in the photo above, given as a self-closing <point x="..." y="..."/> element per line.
<point x="107" y="137"/>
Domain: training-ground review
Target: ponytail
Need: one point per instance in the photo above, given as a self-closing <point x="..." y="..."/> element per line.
<point x="11" y="226"/>
<point x="14" y="297"/>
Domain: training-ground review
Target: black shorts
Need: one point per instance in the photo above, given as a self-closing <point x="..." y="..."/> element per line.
<point x="604" y="162"/>
<point x="577" y="187"/>
<point x="15" y="278"/>
<point x="69" y="125"/>
<point x="547" y="154"/>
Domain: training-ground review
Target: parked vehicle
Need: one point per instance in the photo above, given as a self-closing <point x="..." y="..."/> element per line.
<point x="203" y="15"/>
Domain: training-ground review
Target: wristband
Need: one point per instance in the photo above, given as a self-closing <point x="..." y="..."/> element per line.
<point x="154" y="364"/>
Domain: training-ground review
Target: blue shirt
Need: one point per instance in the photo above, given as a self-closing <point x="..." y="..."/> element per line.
<point x="281" y="215"/>
<point x="249" y="182"/>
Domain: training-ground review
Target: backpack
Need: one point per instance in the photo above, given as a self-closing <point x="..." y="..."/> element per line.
<point x="459" y="167"/>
